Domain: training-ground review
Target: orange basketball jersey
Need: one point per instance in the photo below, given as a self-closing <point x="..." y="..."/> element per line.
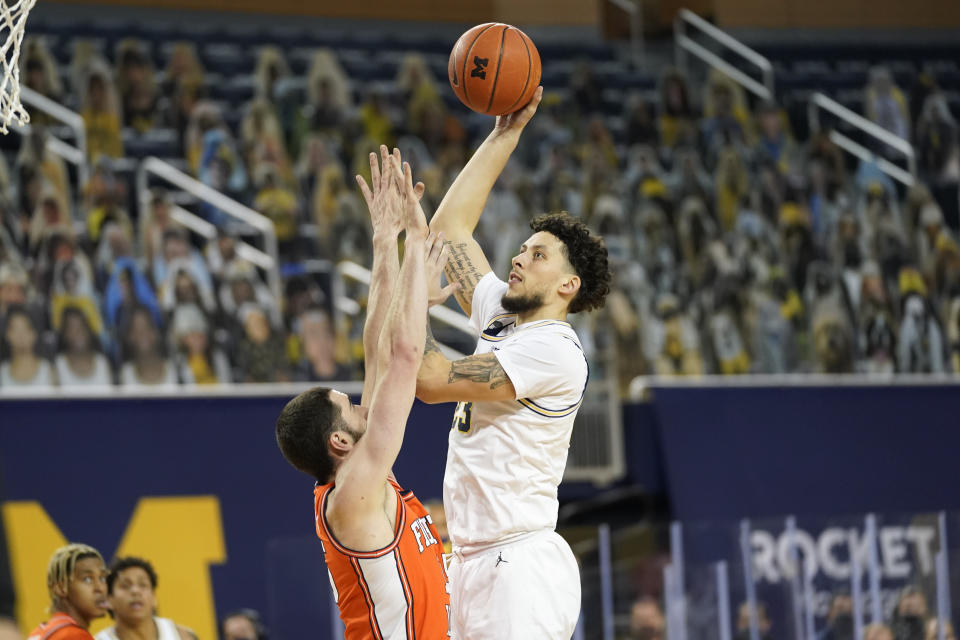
<point x="60" y="627"/>
<point x="397" y="592"/>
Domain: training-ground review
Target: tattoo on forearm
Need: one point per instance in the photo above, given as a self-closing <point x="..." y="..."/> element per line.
<point x="460" y="268"/>
<point x="481" y="368"/>
<point x="430" y="345"/>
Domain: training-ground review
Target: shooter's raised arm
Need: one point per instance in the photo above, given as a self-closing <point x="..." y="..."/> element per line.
<point x="458" y="214"/>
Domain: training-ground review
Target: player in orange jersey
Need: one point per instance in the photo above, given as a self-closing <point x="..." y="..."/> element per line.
<point x="382" y="550"/>
<point x="77" y="581"/>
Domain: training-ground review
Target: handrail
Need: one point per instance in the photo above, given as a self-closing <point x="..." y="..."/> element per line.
<point x="683" y="44"/>
<point x="820" y="101"/>
<point x="633" y="8"/>
<point x="449" y="317"/>
<point x="200" y="226"/>
<point x="75" y="155"/>
<point x="227" y="205"/>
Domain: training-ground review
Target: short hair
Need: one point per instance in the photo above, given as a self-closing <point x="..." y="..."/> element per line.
<point x="586" y="252"/>
<point x="63" y="564"/>
<point x="303" y="429"/>
<point x="129" y="562"/>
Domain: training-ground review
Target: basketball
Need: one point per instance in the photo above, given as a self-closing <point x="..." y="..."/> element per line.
<point x="494" y="68"/>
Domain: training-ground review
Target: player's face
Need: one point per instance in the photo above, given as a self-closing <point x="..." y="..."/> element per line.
<point x="536" y="274"/>
<point x="87" y="591"/>
<point x="353" y="415"/>
<point x="133" y="598"/>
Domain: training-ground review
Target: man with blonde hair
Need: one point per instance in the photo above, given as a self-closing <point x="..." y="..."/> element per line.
<point x="77" y="582"/>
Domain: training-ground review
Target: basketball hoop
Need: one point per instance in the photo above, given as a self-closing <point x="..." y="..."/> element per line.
<point x="13" y="20"/>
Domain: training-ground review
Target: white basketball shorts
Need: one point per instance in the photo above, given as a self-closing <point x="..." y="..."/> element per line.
<point x="520" y="590"/>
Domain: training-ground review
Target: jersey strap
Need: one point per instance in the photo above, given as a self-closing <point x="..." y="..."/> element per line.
<point x="401" y="521"/>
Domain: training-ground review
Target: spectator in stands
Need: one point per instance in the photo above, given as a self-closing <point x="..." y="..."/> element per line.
<point x="688" y="178"/>
<point x="80" y="360"/>
<point x="885" y="104"/>
<point x="672" y="343"/>
<point x="318" y="359"/>
<point x="183" y="68"/>
<point x="101" y="115"/>
<point x="137" y="86"/>
<point x="937" y="141"/>
<point x="51" y="217"/>
<point x="183" y="287"/>
<point x="271" y="68"/>
<point x="877" y="337"/>
<point x="641" y="128"/>
<point x="154" y="222"/>
<point x="244" y="624"/>
<point x="328" y="100"/>
<point x="127" y="290"/>
<point x="677" y="121"/>
<point x="920" y="345"/>
<point x="221" y="168"/>
<point x="743" y="622"/>
<point x="377" y="127"/>
<point x="240" y="285"/>
<point x="260" y="354"/>
<point x="646" y="620"/>
<point x="728" y="342"/>
<point x="878" y="632"/>
<point x="15" y="290"/>
<point x="910" y="615"/>
<point x="38" y="71"/>
<point x="115" y="242"/>
<point x="933" y="630"/>
<point x="774" y="143"/>
<point x="220" y="254"/>
<point x="73" y="287"/>
<point x="103" y="201"/>
<point x="586" y="91"/>
<point x="732" y="187"/>
<point x="726" y="119"/>
<point x="279" y="203"/>
<point x="177" y="248"/>
<point x="198" y="360"/>
<point x="48" y="167"/>
<point x="145" y="362"/>
<point x="21" y="364"/>
<point x="839" y="618"/>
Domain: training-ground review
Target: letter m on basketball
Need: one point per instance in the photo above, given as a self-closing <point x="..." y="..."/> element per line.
<point x="479" y="67"/>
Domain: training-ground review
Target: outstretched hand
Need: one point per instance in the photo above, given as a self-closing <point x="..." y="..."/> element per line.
<point x="415" y="221"/>
<point x="437" y="254"/>
<point x="385" y="195"/>
<point x="516" y="121"/>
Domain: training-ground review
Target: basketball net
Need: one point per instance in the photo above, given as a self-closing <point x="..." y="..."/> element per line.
<point x="13" y="19"/>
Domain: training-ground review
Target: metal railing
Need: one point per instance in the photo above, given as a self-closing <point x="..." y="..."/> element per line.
<point x="267" y="259"/>
<point x="685" y="44"/>
<point x="358" y="273"/>
<point x="820" y="101"/>
<point x="76" y="155"/>
<point x="634" y="9"/>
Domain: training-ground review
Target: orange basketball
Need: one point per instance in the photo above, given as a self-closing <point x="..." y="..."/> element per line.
<point x="494" y="68"/>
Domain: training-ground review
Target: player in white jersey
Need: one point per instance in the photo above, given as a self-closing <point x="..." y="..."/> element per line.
<point x="131" y="589"/>
<point x="513" y="577"/>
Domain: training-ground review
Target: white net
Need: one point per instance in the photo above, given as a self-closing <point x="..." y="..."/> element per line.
<point x="13" y="20"/>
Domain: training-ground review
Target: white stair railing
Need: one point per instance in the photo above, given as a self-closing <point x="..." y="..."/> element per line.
<point x="76" y="155"/>
<point x="685" y="44"/>
<point x="268" y="259"/>
<point x="819" y="101"/>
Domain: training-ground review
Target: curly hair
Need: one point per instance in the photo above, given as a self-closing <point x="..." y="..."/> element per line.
<point x="586" y="252"/>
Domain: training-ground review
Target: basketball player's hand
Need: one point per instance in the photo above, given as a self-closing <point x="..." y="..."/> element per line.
<point x="414" y="220"/>
<point x="384" y="197"/>
<point x="516" y="121"/>
<point x="436" y="261"/>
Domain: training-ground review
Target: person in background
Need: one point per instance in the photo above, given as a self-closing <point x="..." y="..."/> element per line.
<point x="77" y="584"/>
<point x="910" y="616"/>
<point x="260" y="350"/>
<point x="145" y="361"/>
<point x="197" y="360"/>
<point x="319" y="348"/>
<point x="885" y="103"/>
<point x="243" y="624"/>
<point x="839" y="618"/>
<point x="101" y="115"/>
<point x="20" y="362"/>
<point x="79" y="359"/>
<point x="128" y="288"/>
<point x="646" y="620"/>
<point x="743" y="622"/>
<point x="138" y="89"/>
<point x="132" y="592"/>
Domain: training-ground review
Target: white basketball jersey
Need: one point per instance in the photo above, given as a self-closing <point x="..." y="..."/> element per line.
<point x="506" y="459"/>
<point x="166" y="630"/>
